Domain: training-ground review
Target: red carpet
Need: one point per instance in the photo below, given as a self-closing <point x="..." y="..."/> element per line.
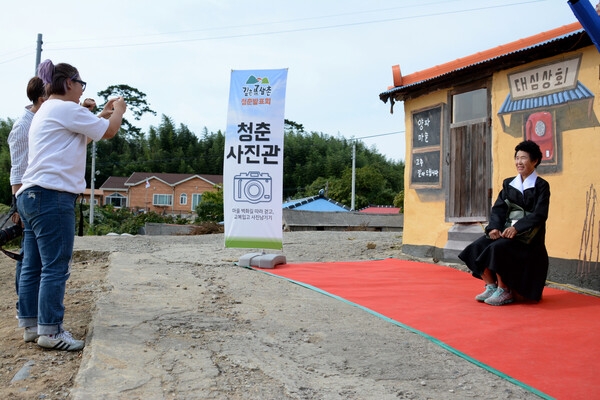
<point x="551" y="347"/>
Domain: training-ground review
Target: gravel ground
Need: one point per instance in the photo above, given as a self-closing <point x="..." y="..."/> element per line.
<point x="173" y="317"/>
<point x="205" y="328"/>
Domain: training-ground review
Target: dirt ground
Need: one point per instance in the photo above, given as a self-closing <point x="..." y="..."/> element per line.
<point x="222" y="336"/>
<point x="53" y="371"/>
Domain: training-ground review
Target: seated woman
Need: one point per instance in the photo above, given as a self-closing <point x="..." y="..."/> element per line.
<point x="511" y="258"/>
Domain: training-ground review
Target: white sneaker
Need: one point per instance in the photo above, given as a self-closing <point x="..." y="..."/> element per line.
<point x="60" y="341"/>
<point x="500" y="297"/>
<point x="490" y="288"/>
<point x="30" y="334"/>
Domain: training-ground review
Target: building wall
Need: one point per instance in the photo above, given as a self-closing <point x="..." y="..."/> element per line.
<point x="87" y="197"/>
<point x="141" y="198"/>
<point x="578" y="170"/>
<point x="424" y="209"/>
<point x="573" y="226"/>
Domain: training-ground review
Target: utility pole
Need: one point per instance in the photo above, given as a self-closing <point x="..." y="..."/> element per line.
<point x="92" y="184"/>
<point x="38" y="53"/>
<point x="353" y="174"/>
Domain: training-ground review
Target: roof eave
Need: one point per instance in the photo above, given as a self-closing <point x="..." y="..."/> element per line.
<point x="486" y="68"/>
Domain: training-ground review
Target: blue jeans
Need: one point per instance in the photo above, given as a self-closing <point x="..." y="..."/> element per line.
<point x="48" y="238"/>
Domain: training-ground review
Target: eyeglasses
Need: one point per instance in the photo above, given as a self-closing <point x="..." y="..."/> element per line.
<point x="80" y="82"/>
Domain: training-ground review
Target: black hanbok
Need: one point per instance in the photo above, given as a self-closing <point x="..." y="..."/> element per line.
<point x="522" y="266"/>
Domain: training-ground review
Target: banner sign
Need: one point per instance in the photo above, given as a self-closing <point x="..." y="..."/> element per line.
<point x="253" y="163"/>
<point x="545" y="79"/>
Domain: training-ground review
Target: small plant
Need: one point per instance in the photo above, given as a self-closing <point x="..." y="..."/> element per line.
<point x="399" y="201"/>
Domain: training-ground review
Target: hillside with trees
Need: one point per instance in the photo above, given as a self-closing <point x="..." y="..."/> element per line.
<point x="312" y="160"/>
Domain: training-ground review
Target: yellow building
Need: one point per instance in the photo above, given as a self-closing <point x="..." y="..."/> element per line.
<point x="463" y="120"/>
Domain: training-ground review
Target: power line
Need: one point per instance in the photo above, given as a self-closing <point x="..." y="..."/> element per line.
<point x="28" y="54"/>
<point x="302" y="29"/>
<point x="262" y="24"/>
<point x="378" y="135"/>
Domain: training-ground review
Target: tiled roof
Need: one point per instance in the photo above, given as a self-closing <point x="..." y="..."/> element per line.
<point x="138" y="178"/>
<point x="420" y="77"/>
<point x="380" y="210"/>
<point x="315" y="203"/>
<point x="114" y="183"/>
<point x="580" y="92"/>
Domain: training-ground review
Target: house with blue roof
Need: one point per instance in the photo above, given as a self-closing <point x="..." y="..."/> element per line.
<point x="319" y="203"/>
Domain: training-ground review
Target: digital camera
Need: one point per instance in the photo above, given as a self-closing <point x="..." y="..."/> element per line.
<point x="8" y="234"/>
<point x="253" y="187"/>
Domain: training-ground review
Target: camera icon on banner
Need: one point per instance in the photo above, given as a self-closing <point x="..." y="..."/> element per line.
<point x="253" y="187"/>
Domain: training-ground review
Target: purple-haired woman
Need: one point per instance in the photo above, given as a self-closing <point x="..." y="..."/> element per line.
<point x="55" y="176"/>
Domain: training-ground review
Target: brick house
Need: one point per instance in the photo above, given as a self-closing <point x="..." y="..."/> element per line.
<point x="157" y="192"/>
<point x="98" y="196"/>
<point x="116" y="191"/>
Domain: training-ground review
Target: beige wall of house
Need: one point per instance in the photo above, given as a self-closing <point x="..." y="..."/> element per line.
<point x="579" y="167"/>
<point x="573" y="227"/>
<point x="424" y="210"/>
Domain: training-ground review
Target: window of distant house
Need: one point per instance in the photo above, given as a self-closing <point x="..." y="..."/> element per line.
<point x="162" y="199"/>
<point x="116" y="199"/>
<point x="468" y="106"/>
<point x="183" y="199"/>
<point x="196" y="197"/>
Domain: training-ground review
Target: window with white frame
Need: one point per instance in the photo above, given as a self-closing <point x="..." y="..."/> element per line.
<point x="116" y="199"/>
<point x="183" y="199"/>
<point x="162" y="200"/>
<point x="196" y="197"/>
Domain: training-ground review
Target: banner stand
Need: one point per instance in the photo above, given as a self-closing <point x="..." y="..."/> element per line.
<point x="261" y="260"/>
<point x="253" y="162"/>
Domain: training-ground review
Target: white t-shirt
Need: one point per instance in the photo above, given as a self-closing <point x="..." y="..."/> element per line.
<point x="57" y="146"/>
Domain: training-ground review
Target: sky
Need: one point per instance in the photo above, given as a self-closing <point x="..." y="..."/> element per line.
<point x="339" y="54"/>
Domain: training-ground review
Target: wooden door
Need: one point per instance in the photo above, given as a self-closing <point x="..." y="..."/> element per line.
<point x="469" y="172"/>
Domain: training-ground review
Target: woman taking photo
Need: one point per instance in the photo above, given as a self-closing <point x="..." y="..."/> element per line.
<point x="55" y="176"/>
<point x="511" y="258"/>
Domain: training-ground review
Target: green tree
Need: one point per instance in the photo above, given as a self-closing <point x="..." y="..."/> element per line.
<point x="312" y="160"/>
<point x="291" y="126"/>
<point x="399" y="201"/>
<point x="127" y="151"/>
<point x="308" y="156"/>
<point x="371" y="188"/>
<point x="136" y="104"/>
<point x="210" y="207"/>
<point x="5" y="164"/>
<point x="210" y="154"/>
